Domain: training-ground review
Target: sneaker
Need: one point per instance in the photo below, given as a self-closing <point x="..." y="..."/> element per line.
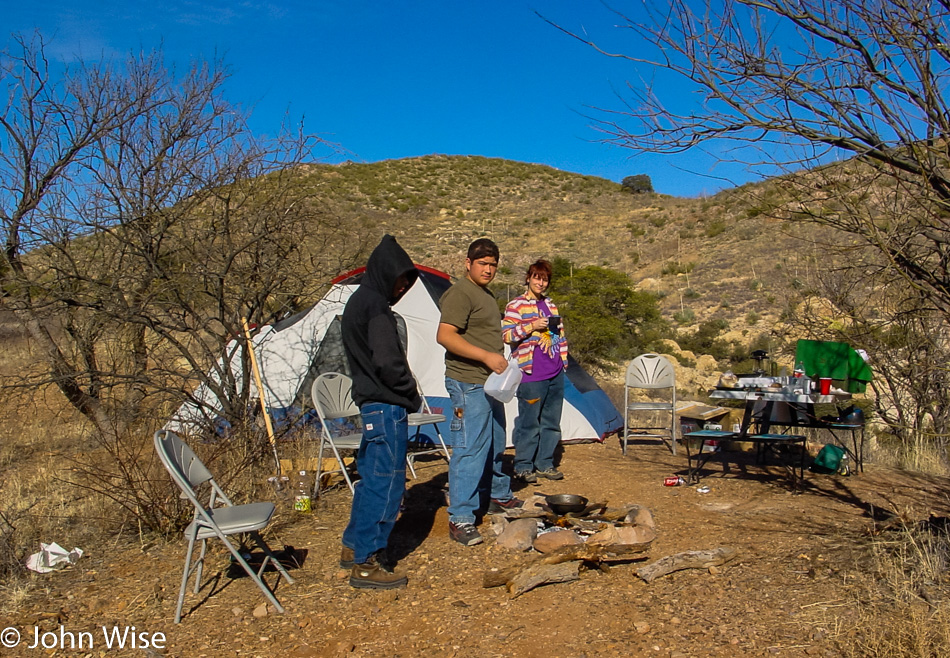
<point x="374" y="575"/>
<point x="464" y="533"/>
<point x="528" y="477"/>
<point x="346" y="558"/>
<point x="502" y="506"/>
<point x="551" y="474"/>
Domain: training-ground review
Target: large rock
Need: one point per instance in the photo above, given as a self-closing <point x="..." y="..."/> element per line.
<point x="635" y="535"/>
<point x="549" y="541"/>
<point x="706" y="364"/>
<point x="640" y="516"/>
<point x="619" y="535"/>
<point x="498" y="524"/>
<point x="519" y="535"/>
<point x="534" y="503"/>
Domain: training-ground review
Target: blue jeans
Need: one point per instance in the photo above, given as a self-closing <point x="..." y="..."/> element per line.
<point x="478" y="444"/>
<point x="381" y="461"/>
<point x="538" y="428"/>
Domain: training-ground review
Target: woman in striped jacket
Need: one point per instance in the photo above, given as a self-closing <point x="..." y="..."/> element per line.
<point x="533" y="328"/>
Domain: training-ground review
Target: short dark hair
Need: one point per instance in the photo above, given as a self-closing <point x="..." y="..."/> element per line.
<point x="539" y="266"/>
<point x="483" y="247"/>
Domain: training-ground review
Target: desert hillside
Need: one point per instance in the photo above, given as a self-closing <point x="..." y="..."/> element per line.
<point x="719" y="256"/>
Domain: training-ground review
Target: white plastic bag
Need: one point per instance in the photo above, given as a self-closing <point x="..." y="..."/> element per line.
<point x="504" y="386"/>
<point x="52" y="557"/>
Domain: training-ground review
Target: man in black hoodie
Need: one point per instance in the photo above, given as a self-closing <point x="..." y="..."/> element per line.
<point x="385" y="391"/>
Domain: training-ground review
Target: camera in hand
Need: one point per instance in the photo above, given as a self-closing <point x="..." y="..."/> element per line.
<point x="554" y="323"/>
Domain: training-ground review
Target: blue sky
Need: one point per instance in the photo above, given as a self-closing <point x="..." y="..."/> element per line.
<point x="397" y="79"/>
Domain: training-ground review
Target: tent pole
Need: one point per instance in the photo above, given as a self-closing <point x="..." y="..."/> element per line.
<point x="261" y="393"/>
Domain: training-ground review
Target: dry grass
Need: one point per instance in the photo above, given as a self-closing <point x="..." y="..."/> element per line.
<point x="903" y="606"/>
<point x="35" y="503"/>
<point x="923" y="458"/>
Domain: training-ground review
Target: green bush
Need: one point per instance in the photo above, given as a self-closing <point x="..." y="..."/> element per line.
<point x="605" y="318"/>
<point x="706" y="340"/>
<point x="685" y="317"/>
<point x="685" y="361"/>
<point x="676" y="267"/>
<point x="638" y="184"/>
<point x="715" y="227"/>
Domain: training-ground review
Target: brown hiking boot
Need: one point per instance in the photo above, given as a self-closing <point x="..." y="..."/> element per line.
<point x="346" y="558"/>
<point x="373" y="575"/>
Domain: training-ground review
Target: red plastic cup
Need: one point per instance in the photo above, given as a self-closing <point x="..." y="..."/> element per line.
<point x="824" y="385"/>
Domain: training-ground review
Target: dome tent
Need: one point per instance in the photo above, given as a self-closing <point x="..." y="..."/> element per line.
<point x="294" y="351"/>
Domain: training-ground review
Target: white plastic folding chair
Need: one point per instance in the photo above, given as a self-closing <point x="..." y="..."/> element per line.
<point x="219" y="517"/>
<point x="332" y="397"/>
<point x="654" y="373"/>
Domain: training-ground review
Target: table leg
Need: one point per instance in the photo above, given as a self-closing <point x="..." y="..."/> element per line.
<point x="692" y="473"/>
<point x="746" y="420"/>
<point x="765" y="419"/>
<point x="859" y="447"/>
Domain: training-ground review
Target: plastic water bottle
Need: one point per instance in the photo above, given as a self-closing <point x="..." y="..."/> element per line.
<point x="844" y="468"/>
<point x="302" y="497"/>
<point x="281" y="486"/>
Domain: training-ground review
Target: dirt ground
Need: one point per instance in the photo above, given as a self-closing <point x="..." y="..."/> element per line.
<point x="791" y="591"/>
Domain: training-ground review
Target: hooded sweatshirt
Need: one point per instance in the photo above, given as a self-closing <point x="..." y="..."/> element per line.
<point x="377" y="359"/>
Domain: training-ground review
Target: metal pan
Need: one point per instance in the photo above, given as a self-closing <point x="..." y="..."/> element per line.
<point x="566" y="503"/>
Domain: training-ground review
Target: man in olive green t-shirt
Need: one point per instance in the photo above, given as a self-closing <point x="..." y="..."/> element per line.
<point x="470" y="332"/>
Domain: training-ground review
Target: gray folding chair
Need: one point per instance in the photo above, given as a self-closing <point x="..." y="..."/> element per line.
<point x="333" y="400"/>
<point x="332" y="397"/>
<point x="218" y="518"/>
<point x="420" y="420"/>
<point x="654" y="373"/>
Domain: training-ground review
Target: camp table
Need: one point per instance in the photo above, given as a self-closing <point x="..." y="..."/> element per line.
<point x="766" y="407"/>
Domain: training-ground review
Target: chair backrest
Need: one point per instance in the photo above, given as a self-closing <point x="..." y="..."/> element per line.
<point x="180" y="461"/>
<point x="332" y="396"/>
<point x="650" y="371"/>
<point x="425" y="403"/>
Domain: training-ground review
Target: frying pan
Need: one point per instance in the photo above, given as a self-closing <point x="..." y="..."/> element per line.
<point x="566" y="503"/>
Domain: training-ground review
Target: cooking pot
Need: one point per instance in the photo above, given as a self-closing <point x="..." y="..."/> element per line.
<point x="566" y="503"/>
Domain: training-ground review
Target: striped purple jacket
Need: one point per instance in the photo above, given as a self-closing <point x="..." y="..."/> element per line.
<point x="520" y="311"/>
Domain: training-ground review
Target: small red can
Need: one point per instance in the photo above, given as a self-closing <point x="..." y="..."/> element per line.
<point x="673" y="481"/>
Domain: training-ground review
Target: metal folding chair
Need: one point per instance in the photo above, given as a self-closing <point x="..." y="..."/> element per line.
<point x="219" y="517"/>
<point x="332" y="398"/>
<point x="420" y="420"/>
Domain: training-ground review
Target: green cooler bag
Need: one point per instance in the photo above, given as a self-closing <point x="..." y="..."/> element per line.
<point x="828" y="459"/>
